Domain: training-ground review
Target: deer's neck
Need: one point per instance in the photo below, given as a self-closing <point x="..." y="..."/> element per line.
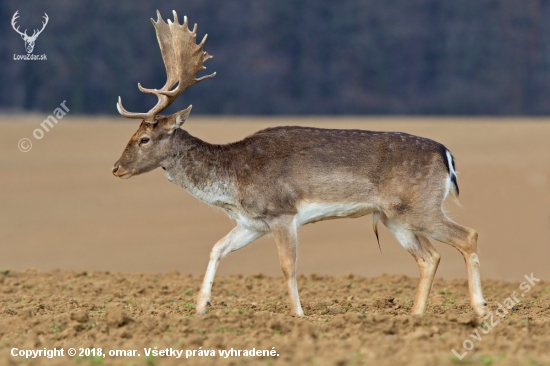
<point x="200" y="168"/>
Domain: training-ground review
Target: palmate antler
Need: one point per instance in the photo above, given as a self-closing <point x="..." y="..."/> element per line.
<point x="183" y="59"/>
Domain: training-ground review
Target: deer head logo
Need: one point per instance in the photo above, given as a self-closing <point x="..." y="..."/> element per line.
<point x="29" y="41"/>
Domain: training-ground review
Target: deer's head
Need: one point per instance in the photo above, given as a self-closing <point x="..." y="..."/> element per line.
<point x="29" y="40"/>
<point x="183" y="59"/>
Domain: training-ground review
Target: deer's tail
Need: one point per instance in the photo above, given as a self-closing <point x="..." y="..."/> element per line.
<point x="453" y="189"/>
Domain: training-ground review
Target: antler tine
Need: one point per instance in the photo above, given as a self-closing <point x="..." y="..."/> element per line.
<point x="183" y="59"/>
<point x="14" y="18"/>
<point x="124" y="113"/>
<point x="176" y="20"/>
<point x="206" y="76"/>
<point x="13" y="21"/>
<point x="46" y="18"/>
<point x="159" y="18"/>
<point x="203" y="39"/>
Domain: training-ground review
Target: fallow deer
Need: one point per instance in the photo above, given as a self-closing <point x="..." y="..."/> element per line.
<point x="281" y="178"/>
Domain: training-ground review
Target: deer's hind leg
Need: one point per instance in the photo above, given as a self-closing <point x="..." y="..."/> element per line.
<point x="425" y="255"/>
<point x="465" y="240"/>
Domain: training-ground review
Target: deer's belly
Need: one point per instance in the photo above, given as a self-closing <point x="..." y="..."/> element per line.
<point x="309" y="212"/>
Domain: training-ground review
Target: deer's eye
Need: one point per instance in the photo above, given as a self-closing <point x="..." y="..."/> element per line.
<point x="144" y="140"/>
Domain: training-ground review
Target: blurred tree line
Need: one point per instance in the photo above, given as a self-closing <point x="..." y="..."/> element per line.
<point x="288" y="56"/>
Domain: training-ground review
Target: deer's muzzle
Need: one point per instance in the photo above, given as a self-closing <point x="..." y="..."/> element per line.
<point x="120" y="172"/>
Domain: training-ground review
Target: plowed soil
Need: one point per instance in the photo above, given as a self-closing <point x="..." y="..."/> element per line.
<point x="350" y="320"/>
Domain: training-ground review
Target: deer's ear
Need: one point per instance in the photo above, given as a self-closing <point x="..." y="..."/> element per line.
<point x="178" y="118"/>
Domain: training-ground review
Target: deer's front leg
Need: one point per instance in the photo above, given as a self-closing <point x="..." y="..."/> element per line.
<point x="237" y="238"/>
<point x="284" y="231"/>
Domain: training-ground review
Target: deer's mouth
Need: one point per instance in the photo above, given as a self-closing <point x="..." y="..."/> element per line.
<point x="120" y="172"/>
<point x="126" y="176"/>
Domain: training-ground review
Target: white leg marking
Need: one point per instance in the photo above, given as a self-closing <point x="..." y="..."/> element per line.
<point x="237" y="238"/>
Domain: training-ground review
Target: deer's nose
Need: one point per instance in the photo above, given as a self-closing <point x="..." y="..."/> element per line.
<point x="115" y="168"/>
